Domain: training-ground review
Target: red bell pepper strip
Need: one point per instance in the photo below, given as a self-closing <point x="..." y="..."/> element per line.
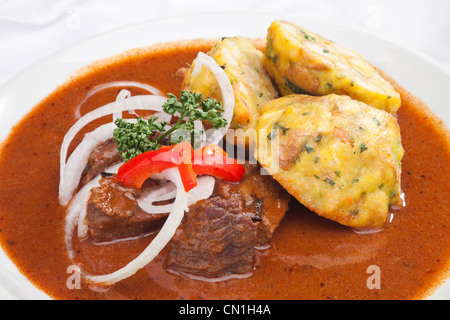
<point x="135" y="171"/>
<point x="213" y="160"/>
<point x="185" y="151"/>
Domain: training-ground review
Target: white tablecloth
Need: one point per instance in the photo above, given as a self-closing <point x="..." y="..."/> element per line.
<point x="33" y="29"/>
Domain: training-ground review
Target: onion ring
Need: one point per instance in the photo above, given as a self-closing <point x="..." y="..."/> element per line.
<point x="226" y="89"/>
<point x="112" y="84"/>
<point x="137" y="102"/>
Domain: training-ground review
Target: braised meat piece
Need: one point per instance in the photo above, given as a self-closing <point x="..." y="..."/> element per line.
<point x="102" y="157"/>
<point x="216" y="240"/>
<point x="218" y="236"/>
<point x="260" y="197"/>
<point x="113" y="213"/>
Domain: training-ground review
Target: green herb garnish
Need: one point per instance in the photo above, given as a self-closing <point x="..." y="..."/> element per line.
<point x="377" y="121"/>
<point x="134" y="138"/>
<point x="318" y="138"/>
<point x="307" y="36"/>
<point x="308" y="148"/>
<point x="273" y="132"/>
<point x="270" y="51"/>
<point x="293" y="87"/>
<point x="362" y="148"/>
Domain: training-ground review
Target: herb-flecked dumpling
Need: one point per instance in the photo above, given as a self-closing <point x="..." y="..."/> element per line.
<point x="337" y="156"/>
<point x="252" y="86"/>
<point x="303" y="62"/>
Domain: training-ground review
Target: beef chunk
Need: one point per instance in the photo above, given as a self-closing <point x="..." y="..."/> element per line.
<point x="216" y="240"/>
<point x="105" y="155"/>
<point x="218" y="236"/>
<point x="113" y="212"/>
<point x="259" y="197"/>
<point x="102" y="157"/>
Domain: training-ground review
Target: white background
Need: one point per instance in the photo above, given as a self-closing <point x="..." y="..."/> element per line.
<point x="33" y="29"/>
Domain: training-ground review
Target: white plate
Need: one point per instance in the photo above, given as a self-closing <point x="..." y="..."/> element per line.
<point x="421" y="75"/>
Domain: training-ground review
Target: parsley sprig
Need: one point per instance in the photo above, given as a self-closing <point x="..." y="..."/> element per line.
<point x="192" y="107"/>
<point x="135" y="138"/>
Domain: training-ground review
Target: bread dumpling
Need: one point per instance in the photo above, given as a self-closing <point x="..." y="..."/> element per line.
<point x="252" y="86"/>
<point x="337" y="156"/>
<point x="301" y="61"/>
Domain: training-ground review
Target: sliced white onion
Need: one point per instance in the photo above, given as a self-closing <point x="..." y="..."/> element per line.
<point x="165" y="192"/>
<point x="78" y="159"/>
<point x="158" y="209"/>
<point x="146" y="102"/>
<point x="123" y="94"/>
<point x="159" y="242"/>
<point x="225" y="87"/>
<point x="73" y="169"/>
<point x="203" y="190"/>
<point x="112" y="84"/>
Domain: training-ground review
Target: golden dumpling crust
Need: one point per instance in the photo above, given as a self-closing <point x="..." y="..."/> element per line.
<point x="252" y="86"/>
<point x="301" y="61"/>
<point x="337" y="156"/>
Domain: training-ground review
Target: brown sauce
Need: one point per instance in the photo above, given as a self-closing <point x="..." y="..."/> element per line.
<point x="309" y="257"/>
